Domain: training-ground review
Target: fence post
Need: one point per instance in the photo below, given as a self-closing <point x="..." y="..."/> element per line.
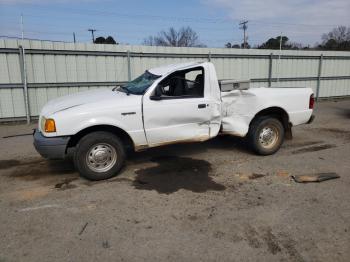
<point x="209" y="56"/>
<point x="270" y="69"/>
<point x="129" y="66"/>
<point x="319" y="76"/>
<point x="22" y="63"/>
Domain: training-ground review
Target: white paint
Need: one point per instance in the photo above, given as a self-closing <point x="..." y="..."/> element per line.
<point x="180" y="119"/>
<point x="174" y="120"/>
<point x="240" y="107"/>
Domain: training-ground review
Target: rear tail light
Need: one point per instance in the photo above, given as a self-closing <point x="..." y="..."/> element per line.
<point x="312" y="101"/>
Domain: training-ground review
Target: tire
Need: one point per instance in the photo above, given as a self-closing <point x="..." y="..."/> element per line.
<point x="266" y="135"/>
<point x="99" y="155"/>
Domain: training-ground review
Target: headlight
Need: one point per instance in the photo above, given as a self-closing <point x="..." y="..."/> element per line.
<point x="42" y="124"/>
<point x="50" y="125"/>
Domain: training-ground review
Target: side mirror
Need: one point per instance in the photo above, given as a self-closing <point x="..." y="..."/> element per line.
<point x="156" y="98"/>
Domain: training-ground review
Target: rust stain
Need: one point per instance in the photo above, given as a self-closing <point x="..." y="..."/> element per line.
<point x="283" y="174"/>
<point x="183" y="141"/>
<point x="252" y="176"/>
<point x="243" y="177"/>
<point x="30" y="194"/>
<point x="232" y="133"/>
<point x="139" y="148"/>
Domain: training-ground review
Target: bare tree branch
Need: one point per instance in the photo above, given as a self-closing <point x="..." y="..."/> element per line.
<point x="184" y="37"/>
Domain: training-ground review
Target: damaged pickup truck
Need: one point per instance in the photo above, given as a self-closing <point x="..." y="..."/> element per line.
<point x="170" y="104"/>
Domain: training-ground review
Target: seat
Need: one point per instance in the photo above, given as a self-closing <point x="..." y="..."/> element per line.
<point x="178" y="88"/>
<point x="198" y="87"/>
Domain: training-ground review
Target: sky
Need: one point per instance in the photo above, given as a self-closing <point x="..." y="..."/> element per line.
<point x="215" y="21"/>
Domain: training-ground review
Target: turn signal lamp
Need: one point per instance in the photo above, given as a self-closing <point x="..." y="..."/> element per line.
<point x="50" y="125"/>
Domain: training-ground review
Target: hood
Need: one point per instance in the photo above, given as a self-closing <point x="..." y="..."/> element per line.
<point x="78" y="99"/>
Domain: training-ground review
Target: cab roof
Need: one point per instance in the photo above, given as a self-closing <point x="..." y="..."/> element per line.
<point x="163" y="70"/>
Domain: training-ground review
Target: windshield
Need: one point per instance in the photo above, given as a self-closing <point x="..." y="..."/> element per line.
<point x="139" y="85"/>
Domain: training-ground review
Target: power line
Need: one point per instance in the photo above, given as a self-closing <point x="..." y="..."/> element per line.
<point x="88" y="12"/>
<point x="37" y="39"/>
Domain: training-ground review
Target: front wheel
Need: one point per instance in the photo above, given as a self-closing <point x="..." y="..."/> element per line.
<point x="99" y="155"/>
<point x="266" y="135"/>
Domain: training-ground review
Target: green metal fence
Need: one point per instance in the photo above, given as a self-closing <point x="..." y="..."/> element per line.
<point x="33" y="72"/>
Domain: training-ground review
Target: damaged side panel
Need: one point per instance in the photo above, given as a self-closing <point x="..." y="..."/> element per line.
<point x="237" y="112"/>
<point x="239" y="107"/>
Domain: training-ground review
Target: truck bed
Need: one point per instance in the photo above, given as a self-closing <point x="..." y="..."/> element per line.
<point x="240" y="106"/>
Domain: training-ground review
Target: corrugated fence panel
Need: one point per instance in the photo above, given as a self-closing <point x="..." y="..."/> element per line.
<point x="311" y="84"/>
<point x="329" y="88"/>
<point x="56" y="69"/>
<point x="336" y="67"/>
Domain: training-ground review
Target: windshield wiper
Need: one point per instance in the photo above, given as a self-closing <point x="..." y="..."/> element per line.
<point x="125" y="90"/>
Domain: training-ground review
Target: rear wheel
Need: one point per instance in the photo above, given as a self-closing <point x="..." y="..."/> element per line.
<point x="266" y="135"/>
<point x="99" y="155"/>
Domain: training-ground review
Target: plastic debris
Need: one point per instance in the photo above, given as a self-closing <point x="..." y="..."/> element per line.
<point x="319" y="177"/>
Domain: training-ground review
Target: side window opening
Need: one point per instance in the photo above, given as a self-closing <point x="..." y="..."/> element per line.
<point x="186" y="83"/>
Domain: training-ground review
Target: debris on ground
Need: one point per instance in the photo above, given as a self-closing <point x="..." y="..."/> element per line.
<point x="105" y="244"/>
<point x="83" y="228"/>
<point x="319" y="177"/>
<point x="251" y="176"/>
<point x="255" y="176"/>
<point x="26" y="134"/>
<point x="66" y="184"/>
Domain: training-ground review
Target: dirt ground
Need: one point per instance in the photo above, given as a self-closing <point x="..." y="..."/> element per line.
<point x="212" y="201"/>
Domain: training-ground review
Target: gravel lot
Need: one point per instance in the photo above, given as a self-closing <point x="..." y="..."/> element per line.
<point x="212" y="201"/>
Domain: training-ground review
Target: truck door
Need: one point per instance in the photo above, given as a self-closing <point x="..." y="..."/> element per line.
<point x="178" y="109"/>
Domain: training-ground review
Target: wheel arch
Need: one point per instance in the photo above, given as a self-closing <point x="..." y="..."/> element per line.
<point x="122" y="134"/>
<point x="278" y="113"/>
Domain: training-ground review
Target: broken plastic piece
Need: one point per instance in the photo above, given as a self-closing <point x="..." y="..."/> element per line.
<point x="315" y="177"/>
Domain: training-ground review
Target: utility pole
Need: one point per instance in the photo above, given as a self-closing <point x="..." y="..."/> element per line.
<point x="74" y="37"/>
<point x="22" y="29"/>
<point x="279" y="59"/>
<point x="92" y="34"/>
<point x="244" y="26"/>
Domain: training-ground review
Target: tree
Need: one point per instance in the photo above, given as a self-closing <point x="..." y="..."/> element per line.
<point x="185" y="37"/>
<point x="229" y="45"/>
<point x="337" y="39"/>
<point x="247" y="45"/>
<point x="274" y="43"/>
<point x="108" y="40"/>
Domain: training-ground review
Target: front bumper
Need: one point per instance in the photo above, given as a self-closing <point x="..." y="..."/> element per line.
<point x="50" y="147"/>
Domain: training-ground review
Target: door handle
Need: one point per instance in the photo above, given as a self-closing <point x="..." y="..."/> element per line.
<point x="202" y="106"/>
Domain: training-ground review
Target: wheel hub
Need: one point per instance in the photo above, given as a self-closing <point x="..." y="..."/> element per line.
<point x="268" y="137"/>
<point x="101" y="157"/>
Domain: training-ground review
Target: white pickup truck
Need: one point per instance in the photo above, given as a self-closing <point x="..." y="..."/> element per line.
<point x="169" y="104"/>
